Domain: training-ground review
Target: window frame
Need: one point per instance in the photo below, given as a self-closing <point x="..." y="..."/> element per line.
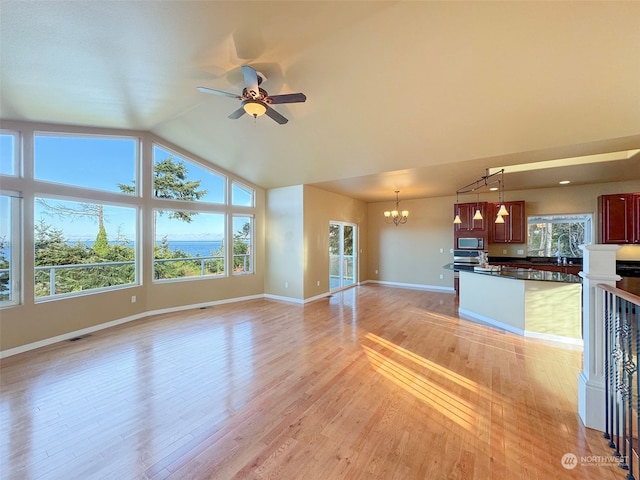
<point x="137" y="261"/>
<point x="16" y="164"/>
<point x="16" y="293"/>
<point x="213" y="171"/>
<point x="225" y="259"/>
<point x="251" y="269"/>
<point x="69" y="134"/>
<point x="24" y="181"/>
<point x="242" y="186"/>
<point x="584" y="218"/>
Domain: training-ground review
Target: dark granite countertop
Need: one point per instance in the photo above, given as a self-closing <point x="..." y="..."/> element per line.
<point x="520" y="274"/>
<point x="534" y="261"/>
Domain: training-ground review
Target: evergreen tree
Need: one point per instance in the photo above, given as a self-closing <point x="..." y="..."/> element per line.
<point x="4" y="276"/>
<point x="170" y="181"/>
<point x="101" y="245"/>
<point x="241" y="248"/>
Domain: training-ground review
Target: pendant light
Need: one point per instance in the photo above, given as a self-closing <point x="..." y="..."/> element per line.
<point x="457" y="219"/>
<point x="502" y="211"/>
<point x="485" y="181"/>
<point x="478" y="215"/>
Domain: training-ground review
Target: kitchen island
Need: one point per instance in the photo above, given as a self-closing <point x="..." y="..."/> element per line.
<point x="527" y="302"/>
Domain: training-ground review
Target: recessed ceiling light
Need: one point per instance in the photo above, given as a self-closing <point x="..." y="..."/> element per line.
<point x="564" y="182"/>
<point x="493" y="189"/>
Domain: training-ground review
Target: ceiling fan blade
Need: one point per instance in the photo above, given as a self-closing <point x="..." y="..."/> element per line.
<point x="237" y="114"/>
<point x="250" y="81"/>
<point x="287" y="98"/>
<point x="219" y="92"/>
<point x="275" y="115"/>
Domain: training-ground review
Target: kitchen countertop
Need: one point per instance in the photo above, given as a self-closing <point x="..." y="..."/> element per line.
<point x="535" y="261"/>
<point x="520" y="274"/>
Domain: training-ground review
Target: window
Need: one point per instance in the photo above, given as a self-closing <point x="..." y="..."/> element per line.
<point x="241" y="196"/>
<point x="81" y="247"/>
<point x="242" y="244"/>
<point x="188" y="244"/>
<point x="558" y="235"/>
<point x="86" y="199"/>
<point x="10" y="253"/>
<point x="177" y="178"/>
<point x="95" y="162"/>
<point x="8" y="153"/>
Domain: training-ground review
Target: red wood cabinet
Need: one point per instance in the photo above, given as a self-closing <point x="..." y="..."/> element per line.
<point x="470" y="226"/>
<point x="513" y="229"/>
<point x="619" y="218"/>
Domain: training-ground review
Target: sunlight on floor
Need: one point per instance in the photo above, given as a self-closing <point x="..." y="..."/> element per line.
<point x="443" y="400"/>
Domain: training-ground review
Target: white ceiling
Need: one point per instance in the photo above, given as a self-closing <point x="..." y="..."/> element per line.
<point x="415" y="96"/>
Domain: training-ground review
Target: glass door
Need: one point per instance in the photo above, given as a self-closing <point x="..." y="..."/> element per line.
<point x="342" y="255"/>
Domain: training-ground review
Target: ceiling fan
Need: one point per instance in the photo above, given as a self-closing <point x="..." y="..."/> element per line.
<point x="255" y="100"/>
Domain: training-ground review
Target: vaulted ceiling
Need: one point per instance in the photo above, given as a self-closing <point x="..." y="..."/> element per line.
<point x="415" y="96"/>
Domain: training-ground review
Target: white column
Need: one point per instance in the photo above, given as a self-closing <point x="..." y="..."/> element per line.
<point x="599" y="266"/>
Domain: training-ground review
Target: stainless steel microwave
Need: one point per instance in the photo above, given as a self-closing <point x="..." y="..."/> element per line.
<point x="469" y="243"/>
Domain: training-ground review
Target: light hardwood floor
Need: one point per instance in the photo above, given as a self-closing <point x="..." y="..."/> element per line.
<point x="374" y="383"/>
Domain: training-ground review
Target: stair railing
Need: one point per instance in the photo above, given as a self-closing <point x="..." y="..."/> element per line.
<point x="621" y="361"/>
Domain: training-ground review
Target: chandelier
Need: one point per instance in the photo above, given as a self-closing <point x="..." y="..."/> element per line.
<point x="396" y="216"/>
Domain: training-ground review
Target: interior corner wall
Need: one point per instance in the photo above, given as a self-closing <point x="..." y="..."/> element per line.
<point x="284" y="269"/>
<point x="320" y="208"/>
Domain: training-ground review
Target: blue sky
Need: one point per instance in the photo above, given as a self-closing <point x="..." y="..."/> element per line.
<point x="102" y="163"/>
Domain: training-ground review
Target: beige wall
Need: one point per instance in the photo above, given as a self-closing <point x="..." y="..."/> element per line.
<point x="411" y="253"/>
<point x="284" y="244"/>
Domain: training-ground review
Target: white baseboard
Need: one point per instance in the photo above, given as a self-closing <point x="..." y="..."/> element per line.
<point x="284" y="299"/>
<point x="557" y="340"/>
<point x="85" y="331"/>
<point x="467" y="315"/>
<point x="577" y="342"/>
<point x="417" y="286"/>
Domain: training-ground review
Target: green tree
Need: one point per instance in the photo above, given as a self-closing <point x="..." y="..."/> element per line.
<point x="216" y="265"/>
<point x="101" y="245"/>
<point x="170" y="181"/>
<point x="51" y="249"/>
<point x="4" y="276"/>
<point x="173" y="268"/>
<point x="334" y="239"/>
<point x="241" y="248"/>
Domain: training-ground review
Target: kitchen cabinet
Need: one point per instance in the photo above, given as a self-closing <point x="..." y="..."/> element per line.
<point x="513" y="229"/>
<point x="466" y="211"/>
<point x="619" y="218"/>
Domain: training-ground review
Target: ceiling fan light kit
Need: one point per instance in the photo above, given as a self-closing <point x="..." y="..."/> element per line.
<point x="254" y="107"/>
<point x="255" y="100"/>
